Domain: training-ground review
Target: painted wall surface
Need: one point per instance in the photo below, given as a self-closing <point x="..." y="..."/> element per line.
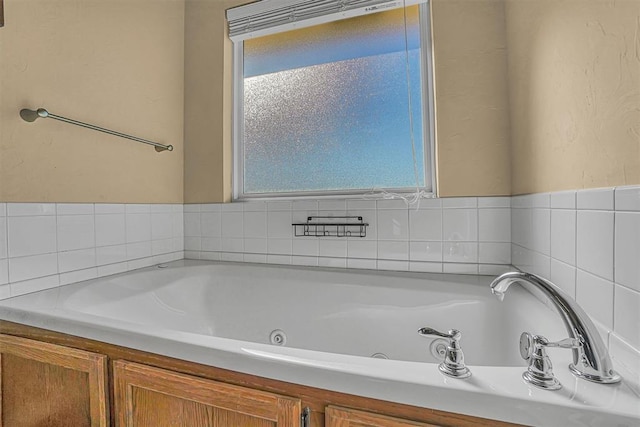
<point x="208" y="102"/>
<point x="571" y="89"/>
<point x="117" y="64"/>
<point x="574" y="84"/>
<point x="471" y="99"/>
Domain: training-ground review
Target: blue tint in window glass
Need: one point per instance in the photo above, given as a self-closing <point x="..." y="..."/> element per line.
<point x="327" y="107"/>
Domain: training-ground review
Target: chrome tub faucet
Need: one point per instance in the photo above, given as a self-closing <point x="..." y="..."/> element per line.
<point x="591" y="359"/>
<point x="453" y="363"/>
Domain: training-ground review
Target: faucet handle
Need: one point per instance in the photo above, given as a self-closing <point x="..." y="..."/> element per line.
<point x="540" y="370"/>
<point x="529" y="343"/>
<point x="453" y="334"/>
<point x="565" y="343"/>
<point x="453" y="364"/>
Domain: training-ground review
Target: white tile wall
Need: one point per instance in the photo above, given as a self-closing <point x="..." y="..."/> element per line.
<point x="627" y="315"/>
<point x="462" y="252"/>
<point x="564" y="275"/>
<point x="429" y="251"/>
<point x="595" y="296"/>
<point x="494" y="253"/>
<point x="627" y="249"/>
<point x="137" y="227"/>
<point x="563" y="200"/>
<point x="627" y="198"/>
<point x="76" y="260"/>
<point x="76" y="232"/>
<point x="594" y="242"/>
<point x="31" y="235"/>
<point x="491" y="225"/>
<point x="425" y="224"/>
<point x="393" y="224"/>
<point x="30" y="209"/>
<point x="110" y="229"/>
<point x="43" y="245"/>
<point x="563" y="235"/>
<point x="460" y="225"/>
<point x="596" y="199"/>
<point x="456" y="235"/>
<point x="594" y="255"/>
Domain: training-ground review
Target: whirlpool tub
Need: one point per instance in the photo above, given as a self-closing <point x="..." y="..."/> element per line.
<point x="347" y="331"/>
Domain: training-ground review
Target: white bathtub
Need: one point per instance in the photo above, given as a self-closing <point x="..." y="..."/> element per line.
<point x="333" y="322"/>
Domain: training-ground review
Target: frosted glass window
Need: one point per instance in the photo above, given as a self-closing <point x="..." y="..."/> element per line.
<point x="327" y="108"/>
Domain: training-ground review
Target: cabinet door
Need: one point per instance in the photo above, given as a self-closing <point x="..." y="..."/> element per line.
<point x="344" y="417"/>
<point x="151" y="397"/>
<point x="47" y="385"/>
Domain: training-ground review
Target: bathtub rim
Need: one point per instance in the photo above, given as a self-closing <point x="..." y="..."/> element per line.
<point x="403" y="382"/>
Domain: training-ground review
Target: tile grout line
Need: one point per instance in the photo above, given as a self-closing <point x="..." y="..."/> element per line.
<point x="613" y="260"/>
<point x="55" y="206"/>
<point x="95" y="239"/>
<point x="6" y="231"/>
<point x="575" y="246"/>
<point x="477" y="243"/>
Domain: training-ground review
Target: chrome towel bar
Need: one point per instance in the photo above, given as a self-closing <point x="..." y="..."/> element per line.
<point x="31" y="115"/>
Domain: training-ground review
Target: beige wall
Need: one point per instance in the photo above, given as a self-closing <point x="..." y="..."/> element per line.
<point x="208" y="102"/>
<point x="471" y="98"/>
<point x="574" y="80"/>
<point x="145" y="67"/>
<point x="114" y="63"/>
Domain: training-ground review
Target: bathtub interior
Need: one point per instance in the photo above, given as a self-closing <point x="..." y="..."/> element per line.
<point x="357" y="313"/>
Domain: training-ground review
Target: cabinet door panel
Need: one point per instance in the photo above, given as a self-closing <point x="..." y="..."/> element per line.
<point x="344" y="417"/>
<point x="147" y="396"/>
<point x="46" y="385"/>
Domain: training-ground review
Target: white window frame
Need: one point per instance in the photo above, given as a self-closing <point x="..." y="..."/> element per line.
<point x="428" y="117"/>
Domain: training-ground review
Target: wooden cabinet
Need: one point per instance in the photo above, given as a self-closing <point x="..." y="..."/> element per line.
<point x="151" y="397"/>
<point x="47" y="381"/>
<point x="343" y="417"/>
<point x="48" y="385"/>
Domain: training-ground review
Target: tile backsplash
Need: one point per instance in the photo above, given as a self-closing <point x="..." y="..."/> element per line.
<point x="43" y="245"/>
<point x="461" y="235"/>
<point x="588" y="243"/>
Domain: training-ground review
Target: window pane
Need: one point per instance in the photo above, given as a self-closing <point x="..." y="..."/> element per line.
<point x="327" y="107"/>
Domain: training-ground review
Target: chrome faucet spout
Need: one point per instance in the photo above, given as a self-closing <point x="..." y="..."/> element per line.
<point x="591" y="360"/>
